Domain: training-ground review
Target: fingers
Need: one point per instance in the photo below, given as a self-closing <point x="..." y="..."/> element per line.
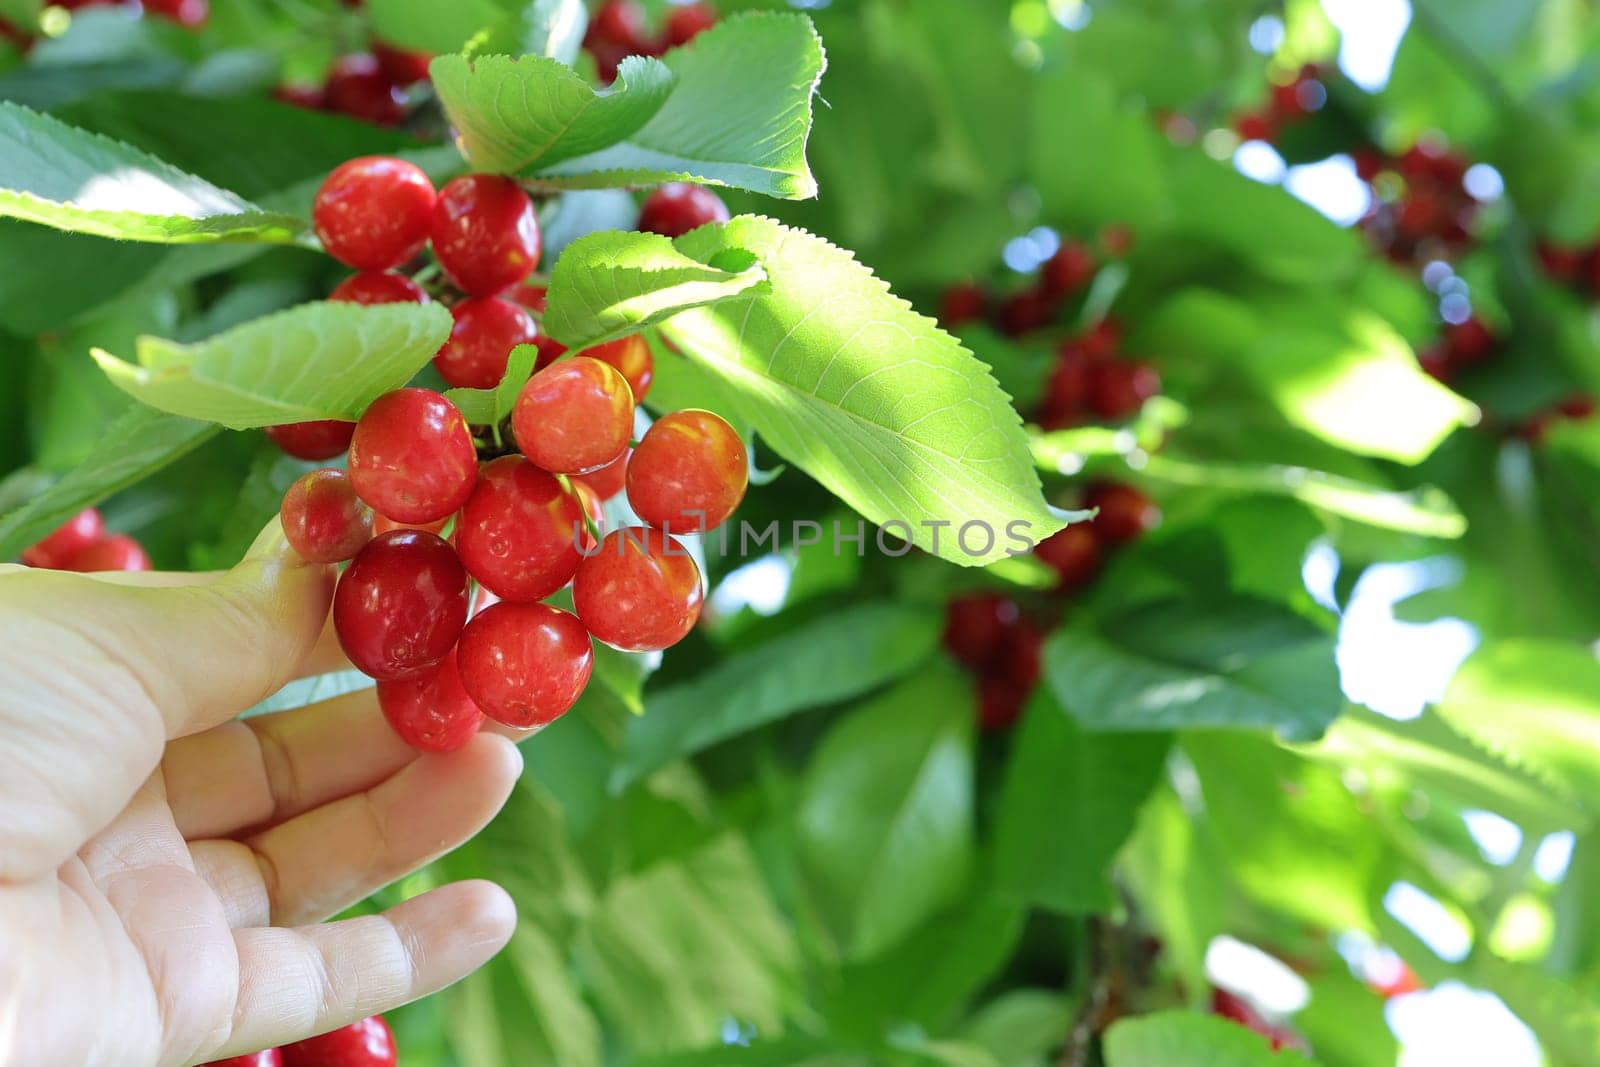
<point x="335" y="855"/>
<point x="268" y="768"/>
<point x="299" y="982"/>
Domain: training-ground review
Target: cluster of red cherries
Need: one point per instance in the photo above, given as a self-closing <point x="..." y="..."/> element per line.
<point x="1577" y="268"/>
<point x="368" y="1043"/>
<point x="999" y="641"/>
<point x="1093" y="380"/>
<point x="619" y="29"/>
<point x="1421" y="209"/>
<point x="524" y="523"/>
<point x="83" y="543"/>
<point x="1039" y="304"/>
<point x="373" y="86"/>
<point x="1289" y="103"/>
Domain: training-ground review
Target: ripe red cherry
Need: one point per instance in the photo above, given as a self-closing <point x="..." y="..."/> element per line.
<point x="367" y="1043"/>
<point x="485" y="233"/>
<point x="1073" y="553"/>
<point x="961" y="304"/>
<point x="1255" y="126"/>
<point x="1071" y="380"/>
<point x="402" y="67"/>
<point x="1000" y="702"/>
<point x="609" y="480"/>
<point x="631" y="355"/>
<point x="574" y="416"/>
<point x="383" y="524"/>
<point x="67" y="540"/>
<point x="431" y="711"/>
<point x="1120" y="389"/>
<point x="519" y="532"/>
<point x="400" y="605"/>
<point x="119" y="552"/>
<point x="678" y="207"/>
<point x="1126" y="514"/>
<point x="525" y="664"/>
<point x="976" y="625"/>
<point x="620" y="23"/>
<point x="190" y="14"/>
<point x="358" y="87"/>
<point x="412" y="456"/>
<point x="1026" y="312"/>
<point x="531" y="296"/>
<point x="378" y="287"/>
<point x="314" y="441"/>
<point x="486" y="330"/>
<point x="1562" y="264"/>
<point x="689" y="472"/>
<point x="1470" y="341"/>
<point x="265" y="1058"/>
<point x="640" y="591"/>
<point x="372" y="212"/>
<point x="686" y="23"/>
<point x="1068" y="271"/>
<point x="323" y="519"/>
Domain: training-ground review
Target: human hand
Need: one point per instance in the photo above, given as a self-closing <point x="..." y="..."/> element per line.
<point x="163" y="866"/>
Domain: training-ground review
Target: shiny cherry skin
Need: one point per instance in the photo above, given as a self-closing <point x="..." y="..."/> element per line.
<point x="431" y="712"/>
<point x="1073" y="553"/>
<point x="485" y="233"/>
<point x="620" y="23"/>
<point x="678" y="207"/>
<point x="686" y="23"/>
<point x="412" y="456"/>
<point x="574" y="416"/>
<point x="373" y="212"/>
<point x="520" y="531"/>
<point x="190" y="14"/>
<point x="609" y="480"/>
<point x="976" y="626"/>
<point x="368" y="1043"/>
<point x="399" y="65"/>
<point x="357" y="86"/>
<point x="632" y="357"/>
<point x="1119" y="390"/>
<point x="314" y="441"/>
<point x="118" y="552"/>
<point x="1068" y="271"/>
<point x="961" y="304"/>
<point x="378" y="287"/>
<point x="1125" y="515"/>
<point x="400" y="605"/>
<point x="383" y="524"/>
<point x="486" y="330"/>
<point x="639" y="591"/>
<point x="525" y="664"/>
<point x="323" y="519"/>
<point x="265" y="1058"/>
<point x="67" y="540"/>
<point x="1000" y="702"/>
<point x="689" y="472"/>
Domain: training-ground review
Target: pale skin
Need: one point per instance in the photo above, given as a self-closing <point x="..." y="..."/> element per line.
<point x="165" y="867"/>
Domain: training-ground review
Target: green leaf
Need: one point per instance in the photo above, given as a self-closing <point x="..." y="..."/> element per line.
<point x="1069" y="802"/>
<point x="608" y="284"/>
<point x="885" y="814"/>
<point x="1176" y="877"/>
<point x="831" y="659"/>
<point x="524" y="1007"/>
<point x="136" y="445"/>
<point x="732" y="108"/>
<point x="673" y="951"/>
<point x="930" y="975"/>
<point x="877" y="403"/>
<point x="315" y="361"/>
<point x="552" y="28"/>
<point x="71" y="179"/>
<point x="1536" y="705"/>
<point x="1565" y="1016"/>
<point x="486" y="407"/>
<point x="1345" y="1021"/>
<point x="1182" y="1039"/>
<point x="1021" y="1026"/>
<point x="1176" y="664"/>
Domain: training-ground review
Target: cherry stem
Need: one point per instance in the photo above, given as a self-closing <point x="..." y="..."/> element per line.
<point x="426" y="273"/>
<point x="588" y="521"/>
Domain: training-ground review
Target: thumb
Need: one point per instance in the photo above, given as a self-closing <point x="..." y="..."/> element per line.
<point x="104" y="673"/>
<point x="196" y="651"/>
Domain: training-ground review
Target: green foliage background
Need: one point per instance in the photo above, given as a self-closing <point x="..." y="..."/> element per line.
<point x="787" y="843"/>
